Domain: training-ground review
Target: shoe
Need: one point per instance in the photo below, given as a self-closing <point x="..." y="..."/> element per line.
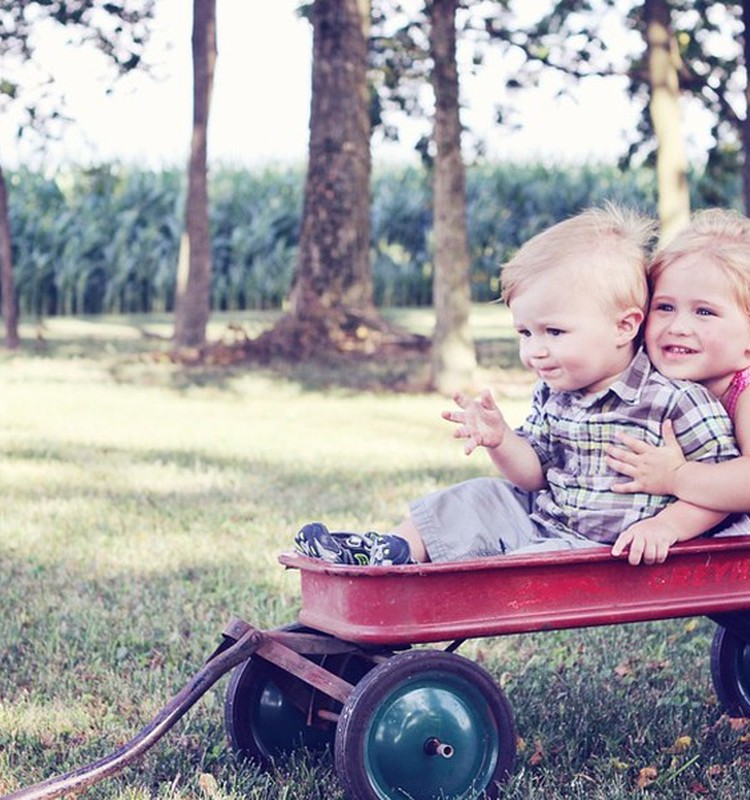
<point x="367" y="549"/>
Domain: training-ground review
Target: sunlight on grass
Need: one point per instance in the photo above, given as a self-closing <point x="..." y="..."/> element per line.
<point x="29" y="718"/>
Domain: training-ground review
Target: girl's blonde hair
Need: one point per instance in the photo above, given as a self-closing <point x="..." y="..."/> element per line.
<point x="718" y="235"/>
<point x="605" y="249"/>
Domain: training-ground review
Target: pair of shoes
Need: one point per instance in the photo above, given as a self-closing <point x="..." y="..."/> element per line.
<point x="365" y="549"/>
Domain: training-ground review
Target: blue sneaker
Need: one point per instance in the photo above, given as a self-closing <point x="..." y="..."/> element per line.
<point x="366" y="549"/>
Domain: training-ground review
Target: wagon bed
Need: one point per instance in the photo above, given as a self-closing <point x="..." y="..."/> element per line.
<point x="520" y="593"/>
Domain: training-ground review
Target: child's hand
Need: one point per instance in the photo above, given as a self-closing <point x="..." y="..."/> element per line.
<point x="480" y="421"/>
<point x="651" y="469"/>
<point x="648" y="540"/>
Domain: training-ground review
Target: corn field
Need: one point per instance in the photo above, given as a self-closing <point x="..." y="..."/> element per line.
<point x="106" y="240"/>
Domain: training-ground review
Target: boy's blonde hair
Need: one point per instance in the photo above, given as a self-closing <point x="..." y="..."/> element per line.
<point x="718" y="235"/>
<point x="604" y="249"/>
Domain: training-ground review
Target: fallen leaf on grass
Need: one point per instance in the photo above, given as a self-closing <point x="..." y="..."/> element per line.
<point x="681" y="744"/>
<point x="646" y="776"/>
<point x="624" y="669"/>
<point x="538" y="755"/>
<point x="207" y="784"/>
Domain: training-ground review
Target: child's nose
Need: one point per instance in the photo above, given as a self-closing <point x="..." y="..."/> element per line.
<point x="538" y="348"/>
<point x="679" y="324"/>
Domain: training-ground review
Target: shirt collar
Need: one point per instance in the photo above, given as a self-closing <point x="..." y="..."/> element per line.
<point x="628" y="385"/>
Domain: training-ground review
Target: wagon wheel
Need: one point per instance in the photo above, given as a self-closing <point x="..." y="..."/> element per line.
<point x="425" y="724"/>
<point x="730" y="670"/>
<point x="266" y="708"/>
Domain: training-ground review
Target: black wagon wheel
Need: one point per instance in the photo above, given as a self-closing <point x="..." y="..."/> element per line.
<point x="730" y="671"/>
<point x="425" y="724"/>
<point x="267" y="711"/>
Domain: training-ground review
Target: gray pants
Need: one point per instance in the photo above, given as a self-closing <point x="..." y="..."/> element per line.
<point x="484" y="517"/>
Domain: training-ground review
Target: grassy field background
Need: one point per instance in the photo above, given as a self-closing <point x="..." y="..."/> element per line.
<point x="143" y="504"/>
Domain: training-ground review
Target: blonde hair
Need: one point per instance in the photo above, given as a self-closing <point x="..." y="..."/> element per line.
<point x="605" y="248"/>
<point x="718" y="235"/>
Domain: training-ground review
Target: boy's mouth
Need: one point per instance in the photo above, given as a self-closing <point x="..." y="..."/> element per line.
<point x="678" y="350"/>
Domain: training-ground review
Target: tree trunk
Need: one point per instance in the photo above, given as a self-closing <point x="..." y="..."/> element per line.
<point x="666" y="117"/>
<point x="192" y="302"/>
<point x="453" y="353"/>
<point x="333" y="270"/>
<point x="7" y="287"/>
<point x="746" y="120"/>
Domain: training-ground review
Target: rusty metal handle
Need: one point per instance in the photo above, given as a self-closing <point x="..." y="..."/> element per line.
<point x="224" y="659"/>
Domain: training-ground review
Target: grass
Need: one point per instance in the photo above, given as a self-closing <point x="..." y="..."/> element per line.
<point x="144" y="505"/>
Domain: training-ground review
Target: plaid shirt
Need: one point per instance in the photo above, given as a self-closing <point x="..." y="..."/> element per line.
<point x="570" y="433"/>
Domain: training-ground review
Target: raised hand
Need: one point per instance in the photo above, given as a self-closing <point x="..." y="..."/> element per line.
<point x="651" y="469"/>
<point x="479" y="421"/>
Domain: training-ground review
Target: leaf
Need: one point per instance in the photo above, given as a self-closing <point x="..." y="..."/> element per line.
<point x="681" y="744"/>
<point x="538" y="755"/>
<point x="207" y="784"/>
<point x="623" y="670"/>
<point x="646" y="776"/>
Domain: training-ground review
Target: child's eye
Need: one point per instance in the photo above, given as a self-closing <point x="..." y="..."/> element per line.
<point x="662" y="306"/>
<point x="705" y="312"/>
<point x="555" y="331"/>
<point x="524" y="333"/>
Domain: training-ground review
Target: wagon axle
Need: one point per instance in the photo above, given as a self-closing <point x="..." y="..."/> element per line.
<point x="434" y="747"/>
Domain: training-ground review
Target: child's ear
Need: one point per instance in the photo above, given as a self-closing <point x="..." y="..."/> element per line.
<point x="628" y="324"/>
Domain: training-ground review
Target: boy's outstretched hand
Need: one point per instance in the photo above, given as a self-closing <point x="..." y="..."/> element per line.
<point x="479" y="421"/>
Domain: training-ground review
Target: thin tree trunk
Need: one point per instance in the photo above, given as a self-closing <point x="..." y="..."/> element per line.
<point x="7" y="287"/>
<point x="193" y="300"/>
<point x="453" y="353"/>
<point x="666" y="117"/>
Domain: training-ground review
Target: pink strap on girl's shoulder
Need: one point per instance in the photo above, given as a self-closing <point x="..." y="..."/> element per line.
<point x="739" y="383"/>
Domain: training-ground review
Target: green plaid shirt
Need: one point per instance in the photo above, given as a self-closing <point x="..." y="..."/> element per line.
<point x="570" y="432"/>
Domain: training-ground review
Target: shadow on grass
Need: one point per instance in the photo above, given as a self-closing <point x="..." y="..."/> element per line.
<point x="136" y="350"/>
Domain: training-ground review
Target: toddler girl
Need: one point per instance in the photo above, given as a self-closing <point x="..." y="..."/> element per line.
<point x="698" y="329"/>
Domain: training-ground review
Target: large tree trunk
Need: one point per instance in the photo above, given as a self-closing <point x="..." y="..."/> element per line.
<point x="192" y="302"/>
<point x="333" y="270"/>
<point x="7" y="287"/>
<point x="666" y="117"/>
<point x="453" y="353"/>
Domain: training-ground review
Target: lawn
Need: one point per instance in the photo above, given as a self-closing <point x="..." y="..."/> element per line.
<point x="144" y="504"/>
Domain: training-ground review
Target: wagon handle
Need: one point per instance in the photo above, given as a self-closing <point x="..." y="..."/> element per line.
<point x="232" y="651"/>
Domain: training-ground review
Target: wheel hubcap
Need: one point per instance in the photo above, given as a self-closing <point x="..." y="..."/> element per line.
<point x="432" y="737"/>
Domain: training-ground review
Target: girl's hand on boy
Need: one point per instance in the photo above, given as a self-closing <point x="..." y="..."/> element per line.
<point x="479" y="421"/>
<point x="648" y="540"/>
<point x="651" y="469"/>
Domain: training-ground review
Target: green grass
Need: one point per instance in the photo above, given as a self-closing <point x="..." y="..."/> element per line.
<point x="144" y="505"/>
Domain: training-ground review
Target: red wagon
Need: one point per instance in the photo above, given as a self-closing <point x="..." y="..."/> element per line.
<point x="424" y="723"/>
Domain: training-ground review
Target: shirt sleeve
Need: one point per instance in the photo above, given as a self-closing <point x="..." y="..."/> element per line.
<point x="702" y="426"/>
